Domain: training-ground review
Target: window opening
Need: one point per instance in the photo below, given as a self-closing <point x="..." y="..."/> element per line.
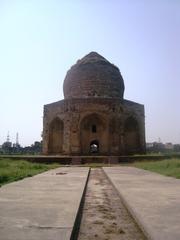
<point x="94" y="130"/>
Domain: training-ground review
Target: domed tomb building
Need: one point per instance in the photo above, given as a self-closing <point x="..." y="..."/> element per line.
<point x="93" y="118"/>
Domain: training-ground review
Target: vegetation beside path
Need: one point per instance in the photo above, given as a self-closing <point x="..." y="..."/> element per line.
<point x="168" y="167"/>
<point x="13" y="170"/>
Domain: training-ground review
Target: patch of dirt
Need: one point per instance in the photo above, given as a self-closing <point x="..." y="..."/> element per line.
<point x="61" y="173"/>
<point x="104" y="216"/>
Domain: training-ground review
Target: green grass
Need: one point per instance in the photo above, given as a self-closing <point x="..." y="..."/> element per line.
<point x="169" y="167"/>
<point x="13" y="170"/>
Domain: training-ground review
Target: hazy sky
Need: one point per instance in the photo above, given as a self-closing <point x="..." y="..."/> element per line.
<point x="40" y="40"/>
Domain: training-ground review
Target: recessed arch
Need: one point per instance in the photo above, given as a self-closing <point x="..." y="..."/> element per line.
<point x="56" y="132"/>
<point x="131" y="135"/>
<point x="93" y="127"/>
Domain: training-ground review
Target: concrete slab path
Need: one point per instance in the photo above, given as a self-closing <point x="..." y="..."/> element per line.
<point x="152" y="199"/>
<point x="42" y="207"/>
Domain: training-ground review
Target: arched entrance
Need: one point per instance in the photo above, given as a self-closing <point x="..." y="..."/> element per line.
<point x="93" y="135"/>
<point x="56" y="130"/>
<point x="131" y="136"/>
<point x="94" y="146"/>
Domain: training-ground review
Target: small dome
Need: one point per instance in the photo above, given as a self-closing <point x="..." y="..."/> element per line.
<point x="93" y="76"/>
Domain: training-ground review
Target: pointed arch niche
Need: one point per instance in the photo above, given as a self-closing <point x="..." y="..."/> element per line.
<point x="93" y="130"/>
<point x="56" y="132"/>
<point x="131" y="136"/>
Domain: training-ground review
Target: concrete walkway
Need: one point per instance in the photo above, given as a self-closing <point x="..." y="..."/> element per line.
<point x="153" y="200"/>
<point x="42" y="207"/>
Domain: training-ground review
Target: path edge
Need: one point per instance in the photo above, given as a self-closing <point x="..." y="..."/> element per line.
<point x="77" y="222"/>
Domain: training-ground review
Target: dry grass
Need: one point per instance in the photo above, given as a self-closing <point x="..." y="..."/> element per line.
<point x="13" y="170"/>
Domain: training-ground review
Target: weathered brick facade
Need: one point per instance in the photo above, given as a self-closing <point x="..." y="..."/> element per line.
<point x="93" y="113"/>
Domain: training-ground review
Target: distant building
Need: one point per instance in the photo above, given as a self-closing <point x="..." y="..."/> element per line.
<point x="169" y="146"/>
<point x="7" y="145"/>
<point x="161" y="147"/>
<point x="177" y="147"/>
<point x="149" y="145"/>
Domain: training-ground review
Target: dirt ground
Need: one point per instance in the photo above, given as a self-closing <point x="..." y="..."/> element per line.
<point x="104" y="216"/>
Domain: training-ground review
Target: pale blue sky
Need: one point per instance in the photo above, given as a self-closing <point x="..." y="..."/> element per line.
<point x="40" y="40"/>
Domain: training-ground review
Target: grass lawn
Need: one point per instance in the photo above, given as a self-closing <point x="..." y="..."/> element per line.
<point x="13" y="170"/>
<point x="169" y="167"/>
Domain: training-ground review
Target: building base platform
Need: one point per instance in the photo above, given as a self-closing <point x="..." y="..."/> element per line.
<point x="78" y="160"/>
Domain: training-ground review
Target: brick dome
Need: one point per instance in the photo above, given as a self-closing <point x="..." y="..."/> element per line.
<point x="93" y="76"/>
